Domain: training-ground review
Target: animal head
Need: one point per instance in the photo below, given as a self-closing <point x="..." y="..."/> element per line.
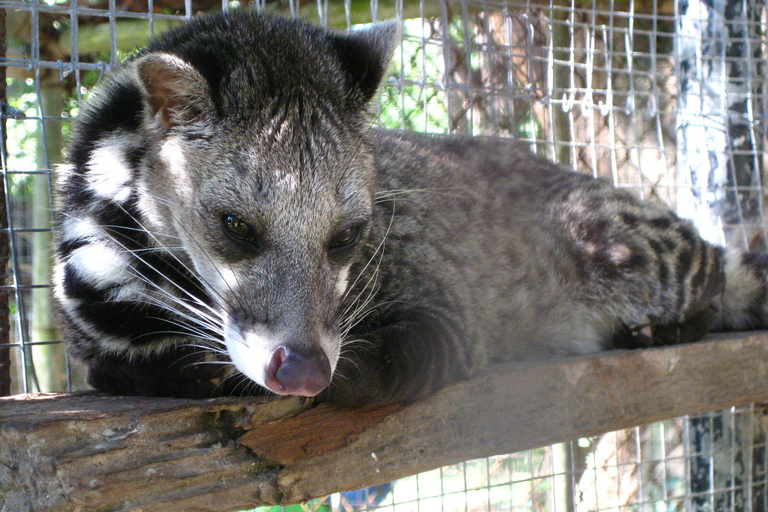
<point x="256" y="167"/>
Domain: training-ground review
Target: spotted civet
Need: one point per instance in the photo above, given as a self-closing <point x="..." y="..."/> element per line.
<point x="230" y="222"/>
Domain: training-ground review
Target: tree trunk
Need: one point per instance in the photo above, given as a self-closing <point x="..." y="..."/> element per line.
<point x="49" y="359"/>
<point x="719" y="157"/>
<point x="5" y="328"/>
<point x="719" y="169"/>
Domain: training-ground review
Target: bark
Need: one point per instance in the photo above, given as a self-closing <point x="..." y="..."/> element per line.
<point x="718" y="65"/>
<point x="93" y="452"/>
<point x="5" y="328"/>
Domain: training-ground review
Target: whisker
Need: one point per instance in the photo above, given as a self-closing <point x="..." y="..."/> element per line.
<point x="383" y="195"/>
<point x="351" y="316"/>
<point x="380" y="247"/>
<point x="207" y="289"/>
<point x="199" y="283"/>
<point x="203" y="319"/>
<point x="209" y="348"/>
<point x="213" y="265"/>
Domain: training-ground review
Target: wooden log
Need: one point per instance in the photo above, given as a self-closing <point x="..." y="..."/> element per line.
<point x="95" y="452"/>
<point x="96" y="38"/>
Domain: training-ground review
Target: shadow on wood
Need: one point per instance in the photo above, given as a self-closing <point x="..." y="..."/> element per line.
<point x="95" y="452"/>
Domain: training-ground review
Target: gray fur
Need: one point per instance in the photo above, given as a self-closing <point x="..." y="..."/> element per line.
<point x="247" y="213"/>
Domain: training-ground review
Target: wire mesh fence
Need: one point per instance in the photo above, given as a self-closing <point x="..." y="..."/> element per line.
<point x="712" y="462"/>
<point x="665" y="99"/>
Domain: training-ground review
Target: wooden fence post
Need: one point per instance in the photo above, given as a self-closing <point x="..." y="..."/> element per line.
<point x="5" y="349"/>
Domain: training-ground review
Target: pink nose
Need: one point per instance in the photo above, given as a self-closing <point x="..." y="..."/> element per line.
<point x="293" y="372"/>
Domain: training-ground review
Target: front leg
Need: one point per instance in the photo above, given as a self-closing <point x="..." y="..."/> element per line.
<point x="406" y="358"/>
<point x="180" y="373"/>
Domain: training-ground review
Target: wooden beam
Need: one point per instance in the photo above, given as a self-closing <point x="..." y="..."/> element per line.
<point x="95" y="38"/>
<point x="61" y="452"/>
<point x="5" y="246"/>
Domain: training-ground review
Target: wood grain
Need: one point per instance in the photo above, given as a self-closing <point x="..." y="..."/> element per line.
<point x="95" y="452"/>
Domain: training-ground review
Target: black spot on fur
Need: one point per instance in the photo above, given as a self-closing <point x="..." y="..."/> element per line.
<point x="78" y="288"/>
<point x="683" y="266"/>
<point x="670" y="244"/>
<point x="119" y="221"/>
<point x="661" y="223"/>
<point x="140" y="323"/>
<point x="688" y="234"/>
<point x="76" y="190"/>
<point x="120" y="111"/>
<point x="702" y="271"/>
<point x="134" y="156"/>
<point x="593" y="233"/>
<point x="629" y="219"/>
<point x="637" y="260"/>
<point x="662" y="268"/>
<point x="65" y="248"/>
<point x="757" y="262"/>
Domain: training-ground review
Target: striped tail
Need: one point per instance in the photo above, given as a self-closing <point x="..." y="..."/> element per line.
<point x="745" y="299"/>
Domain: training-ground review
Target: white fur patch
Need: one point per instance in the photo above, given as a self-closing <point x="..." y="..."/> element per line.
<point x="251" y="351"/>
<point x="175" y="161"/>
<point x="218" y="277"/>
<point x="288" y="181"/>
<point x="63" y="174"/>
<point x="226" y="278"/>
<point x="111" y="344"/>
<point x="109" y="175"/>
<point x="99" y="264"/>
<point x="741" y="288"/>
<point x="58" y="284"/>
<point x="342" y="281"/>
<point x="73" y="228"/>
<point x="150" y="212"/>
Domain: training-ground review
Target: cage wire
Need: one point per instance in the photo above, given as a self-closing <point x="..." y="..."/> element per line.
<point x="663" y="98"/>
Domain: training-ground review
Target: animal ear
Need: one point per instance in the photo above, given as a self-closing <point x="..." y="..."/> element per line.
<point x="365" y="55"/>
<point x="176" y="92"/>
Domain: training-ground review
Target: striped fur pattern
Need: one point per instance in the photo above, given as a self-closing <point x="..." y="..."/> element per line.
<point x="229" y="223"/>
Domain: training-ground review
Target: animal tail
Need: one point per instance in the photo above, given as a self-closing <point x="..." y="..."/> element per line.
<point x="745" y="299"/>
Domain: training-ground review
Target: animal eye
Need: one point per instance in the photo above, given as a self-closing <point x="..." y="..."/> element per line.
<point x="346" y="237"/>
<point x="239" y="230"/>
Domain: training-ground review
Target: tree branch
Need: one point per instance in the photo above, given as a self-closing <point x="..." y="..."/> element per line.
<point x="60" y="452"/>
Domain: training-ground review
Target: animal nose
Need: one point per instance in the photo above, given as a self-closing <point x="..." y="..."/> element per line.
<point x="294" y="372"/>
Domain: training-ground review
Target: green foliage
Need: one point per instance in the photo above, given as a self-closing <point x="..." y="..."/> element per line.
<point x="22" y="135"/>
<point x="411" y="99"/>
